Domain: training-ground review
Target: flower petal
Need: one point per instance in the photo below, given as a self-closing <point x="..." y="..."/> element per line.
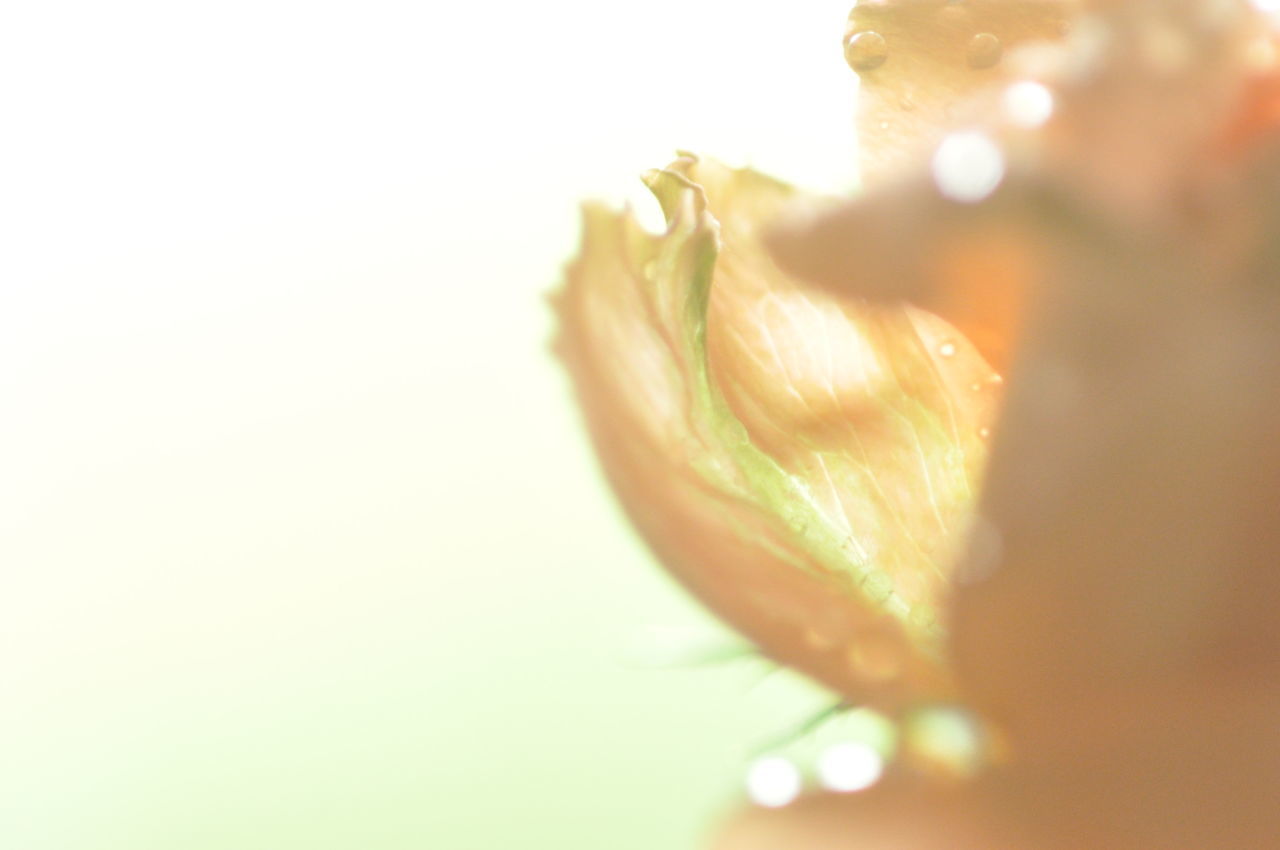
<point x="803" y="464"/>
<point x="906" y="243"/>
<point x="1129" y="74"/>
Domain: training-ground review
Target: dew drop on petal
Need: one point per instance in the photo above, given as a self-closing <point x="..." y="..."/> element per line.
<point x="984" y="51"/>
<point x="773" y="782"/>
<point x="947" y="349"/>
<point x="1028" y="104"/>
<point x="968" y="167"/>
<point x="984" y="433"/>
<point x="849" y="766"/>
<point x="866" y="50"/>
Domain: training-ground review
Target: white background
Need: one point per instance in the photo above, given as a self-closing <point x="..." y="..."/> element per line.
<point x="300" y="542"/>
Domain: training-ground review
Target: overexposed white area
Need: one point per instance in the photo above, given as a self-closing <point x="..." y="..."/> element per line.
<point x="1028" y="103"/>
<point x="968" y="166"/>
<point x="850" y="766"/>
<point x="773" y="782"/>
<point x="300" y="541"/>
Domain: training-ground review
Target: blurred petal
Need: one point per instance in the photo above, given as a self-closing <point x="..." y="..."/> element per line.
<point x="891" y="817"/>
<point x="803" y="464"/>
<point x="1257" y="118"/>
<point x="1200" y="774"/>
<point x="936" y="55"/>
<point x="1128" y="74"/>
<point x="1134" y="476"/>
<point x="1148" y="87"/>
<point x="1134" y="463"/>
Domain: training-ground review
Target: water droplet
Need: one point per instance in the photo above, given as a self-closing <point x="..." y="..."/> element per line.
<point x="773" y="782"/>
<point x="947" y="349"/>
<point x="976" y="387"/>
<point x="968" y="167"/>
<point x="984" y="50"/>
<point x="984" y="433"/>
<point x="1028" y="104"/>
<point x="866" y="50"/>
<point x="849" y="767"/>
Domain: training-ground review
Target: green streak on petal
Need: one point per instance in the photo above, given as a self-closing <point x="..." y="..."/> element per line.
<point x="688" y="258"/>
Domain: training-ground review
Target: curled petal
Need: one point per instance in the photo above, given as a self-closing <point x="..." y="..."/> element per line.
<point x="802" y="463"/>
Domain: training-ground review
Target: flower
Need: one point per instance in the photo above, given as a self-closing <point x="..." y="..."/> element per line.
<point x="802" y="463"/>
<point x="1131" y="238"/>
<point x="1096" y="221"/>
<point x="806" y="464"/>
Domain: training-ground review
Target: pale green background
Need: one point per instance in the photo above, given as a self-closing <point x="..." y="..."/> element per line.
<point x="301" y="544"/>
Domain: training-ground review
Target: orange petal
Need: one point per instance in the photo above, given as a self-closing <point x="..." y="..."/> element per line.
<point x="906" y="243"/>
<point x="801" y="463"/>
